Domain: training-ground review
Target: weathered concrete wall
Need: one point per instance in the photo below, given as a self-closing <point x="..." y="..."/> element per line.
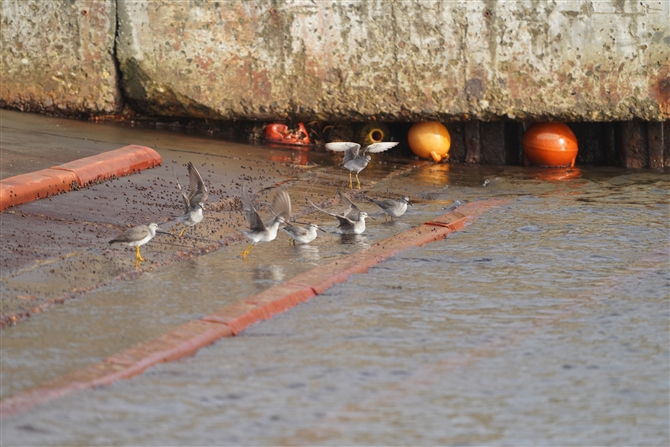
<point x="397" y="60"/>
<point x="57" y="56"/>
<point x="393" y="60"/>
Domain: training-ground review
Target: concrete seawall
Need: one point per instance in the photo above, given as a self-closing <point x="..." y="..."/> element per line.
<point x="58" y="57"/>
<point x="397" y="60"/>
<point x="354" y="60"/>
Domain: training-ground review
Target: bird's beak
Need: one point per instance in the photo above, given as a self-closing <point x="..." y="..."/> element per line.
<point x="161" y="232"/>
<point x="320" y="229"/>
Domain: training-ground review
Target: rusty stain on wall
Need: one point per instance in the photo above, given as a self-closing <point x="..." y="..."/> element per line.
<point x="351" y="60"/>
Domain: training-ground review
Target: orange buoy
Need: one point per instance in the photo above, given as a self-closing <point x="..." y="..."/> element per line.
<point x="429" y="140"/>
<point x="282" y="134"/>
<point x="550" y="144"/>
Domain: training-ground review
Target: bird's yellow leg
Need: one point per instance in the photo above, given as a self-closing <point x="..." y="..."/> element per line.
<point x="138" y="256"/>
<point x="359" y="182"/>
<point x="386" y="218"/>
<point x="182" y="231"/>
<point x="247" y="250"/>
<point x="351" y="183"/>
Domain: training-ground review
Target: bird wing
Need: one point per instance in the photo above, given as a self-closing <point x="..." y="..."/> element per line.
<point x="133" y="234"/>
<point x="296" y="230"/>
<point x="383" y="204"/>
<point x="197" y="189"/>
<point x="281" y="204"/>
<point x="187" y="202"/>
<point x="250" y="213"/>
<point x="352" y="212"/>
<point x="342" y="146"/>
<point x="379" y="147"/>
<point x="350" y="149"/>
<point x="344" y="220"/>
<point x="322" y="210"/>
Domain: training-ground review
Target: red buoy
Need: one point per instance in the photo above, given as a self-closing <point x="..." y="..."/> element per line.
<point x="282" y="134"/>
<point x="550" y="144"/>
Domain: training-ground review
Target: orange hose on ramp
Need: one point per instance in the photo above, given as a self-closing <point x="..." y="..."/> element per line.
<point x="35" y="185"/>
<point x="57" y="179"/>
<point x="116" y="163"/>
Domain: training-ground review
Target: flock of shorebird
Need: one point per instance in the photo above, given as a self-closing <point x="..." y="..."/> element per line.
<point x="351" y="220"/>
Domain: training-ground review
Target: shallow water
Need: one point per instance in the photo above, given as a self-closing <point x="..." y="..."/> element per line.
<point x="545" y="322"/>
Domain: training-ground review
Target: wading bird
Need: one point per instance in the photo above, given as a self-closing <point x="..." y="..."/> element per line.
<point x="355" y="159"/>
<point x="393" y="208"/>
<point x="352" y="220"/>
<point x="136" y="237"/>
<point x="301" y="235"/>
<point x="260" y="231"/>
<point x="194" y="202"/>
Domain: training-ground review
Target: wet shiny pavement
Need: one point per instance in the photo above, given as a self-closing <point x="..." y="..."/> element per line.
<point x="544" y="322"/>
<point x="64" y="253"/>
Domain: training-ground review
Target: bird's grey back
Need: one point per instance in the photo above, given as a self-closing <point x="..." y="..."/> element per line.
<point x="132" y="234"/>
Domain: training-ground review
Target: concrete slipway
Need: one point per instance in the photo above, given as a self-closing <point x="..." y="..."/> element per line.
<point x="544" y="321"/>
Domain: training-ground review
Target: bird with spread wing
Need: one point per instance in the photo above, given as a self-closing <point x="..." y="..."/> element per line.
<point x="194" y="202"/>
<point x="260" y="231"/>
<point x="352" y="219"/>
<point x="356" y="159"/>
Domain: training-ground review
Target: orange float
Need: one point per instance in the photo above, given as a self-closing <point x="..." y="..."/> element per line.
<point x="550" y="144"/>
<point x="282" y="134"/>
<point x="429" y="140"/>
